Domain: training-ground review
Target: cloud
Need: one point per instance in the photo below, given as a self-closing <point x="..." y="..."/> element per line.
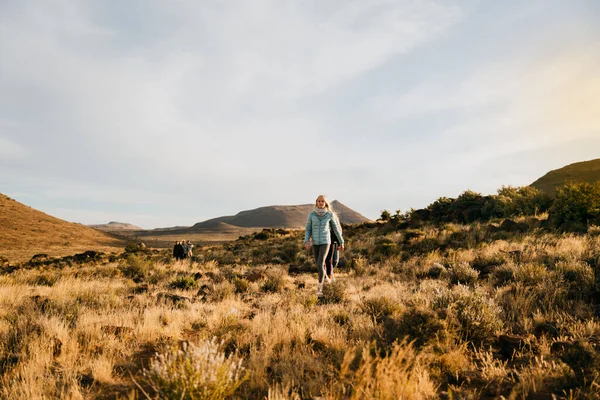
<point x="9" y="149"/>
<point x="205" y="108"/>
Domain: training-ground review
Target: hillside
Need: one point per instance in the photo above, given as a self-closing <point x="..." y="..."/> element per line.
<point x="290" y="217"/>
<point x="586" y="171"/>
<point x="25" y="231"/>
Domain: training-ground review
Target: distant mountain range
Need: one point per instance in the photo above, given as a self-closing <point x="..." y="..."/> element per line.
<point x="585" y="171"/>
<point x="116" y="226"/>
<point x="290" y="217"/>
<point x="25" y="231"/>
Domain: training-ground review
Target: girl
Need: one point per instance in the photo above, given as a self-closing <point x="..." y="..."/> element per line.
<point x="321" y="221"/>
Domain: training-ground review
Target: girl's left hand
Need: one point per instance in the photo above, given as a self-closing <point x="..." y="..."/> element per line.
<point x="341" y="248"/>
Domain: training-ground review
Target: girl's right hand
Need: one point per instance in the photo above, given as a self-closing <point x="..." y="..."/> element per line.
<point x="307" y="246"/>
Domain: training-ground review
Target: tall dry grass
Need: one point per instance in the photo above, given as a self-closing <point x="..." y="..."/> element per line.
<point x="416" y="314"/>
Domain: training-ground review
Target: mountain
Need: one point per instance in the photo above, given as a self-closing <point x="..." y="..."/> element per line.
<point x="289" y="217"/>
<point x="116" y="227"/>
<point x="585" y="171"/>
<point x="25" y="231"/>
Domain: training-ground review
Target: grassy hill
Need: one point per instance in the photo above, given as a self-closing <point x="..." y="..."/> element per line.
<point x="586" y="171"/>
<point x="287" y="217"/>
<point x="25" y="231"/>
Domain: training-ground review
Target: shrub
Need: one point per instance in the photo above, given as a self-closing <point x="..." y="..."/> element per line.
<point x="359" y="265"/>
<point x="531" y="274"/>
<point x="290" y="250"/>
<point x="241" y="285"/>
<point x="334" y="293"/>
<point x="341" y="318"/>
<point x="576" y="205"/>
<point x="518" y="201"/>
<point x="136" y="268"/>
<point x="478" y="316"/>
<point x="195" y="371"/>
<point x="263" y="235"/>
<point x="504" y="275"/>
<point x="462" y="273"/>
<point x="222" y="291"/>
<point x="401" y="374"/>
<point x="578" y="275"/>
<point x="384" y="246"/>
<point x="419" y="324"/>
<point x="436" y="271"/>
<point x="44" y="279"/>
<point x="379" y="308"/>
<point x="274" y="282"/>
<point x="184" y="283"/>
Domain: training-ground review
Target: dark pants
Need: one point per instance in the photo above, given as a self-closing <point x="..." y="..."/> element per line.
<point x="332" y="259"/>
<point x="320" y="252"/>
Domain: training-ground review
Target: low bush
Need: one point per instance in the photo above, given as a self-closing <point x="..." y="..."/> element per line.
<point x="400" y="374"/>
<point x="194" y="372"/>
<point x="436" y="271"/>
<point x="274" y="282"/>
<point x="379" y="308"/>
<point x="579" y="277"/>
<point x="504" y="275"/>
<point x="334" y="293"/>
<point x="136" y="267"/>
<point x="417" y="324"/>
<point x="476" y="315"/>
<point x="183" y="283"/>
<point x="241" y="285"/>
<point x="462" y="273"/>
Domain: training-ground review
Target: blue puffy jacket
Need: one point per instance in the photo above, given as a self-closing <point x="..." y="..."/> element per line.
<point x="319" y="228"/>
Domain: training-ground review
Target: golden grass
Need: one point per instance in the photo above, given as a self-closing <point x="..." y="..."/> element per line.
<point x="89" y="331"/>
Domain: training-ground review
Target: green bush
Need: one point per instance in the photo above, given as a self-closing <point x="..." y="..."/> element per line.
<point x="384" y="246"/>
<point x="194" y="372"/>
<point x="183" y="282"/>
<point x="136" y="267"/>
<point x="576" y="206"/>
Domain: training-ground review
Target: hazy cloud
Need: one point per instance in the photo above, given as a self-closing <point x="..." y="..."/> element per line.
<point x="188" y="110"/>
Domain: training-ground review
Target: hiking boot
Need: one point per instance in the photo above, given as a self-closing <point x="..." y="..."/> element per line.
<point x="320" y="290"/>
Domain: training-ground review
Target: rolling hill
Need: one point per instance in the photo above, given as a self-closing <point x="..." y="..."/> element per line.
<point x="116" y="227"/>
<point x="585" y="171"/>
<point x="289" y="217"/>
<point x="25" y="231"/>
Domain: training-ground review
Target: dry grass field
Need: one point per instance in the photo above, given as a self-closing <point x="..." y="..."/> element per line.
<point x="166" y="239"/>
<point x="455" y="312"/>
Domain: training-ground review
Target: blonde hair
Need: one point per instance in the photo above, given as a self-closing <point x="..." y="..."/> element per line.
<point x="327" y="205"/>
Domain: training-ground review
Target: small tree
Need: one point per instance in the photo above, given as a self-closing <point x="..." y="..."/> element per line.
<point x="577" y="204"/>
<point x="385" y="215"/>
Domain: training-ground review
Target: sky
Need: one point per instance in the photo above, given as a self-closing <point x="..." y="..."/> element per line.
<point x="168" y="113"/>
